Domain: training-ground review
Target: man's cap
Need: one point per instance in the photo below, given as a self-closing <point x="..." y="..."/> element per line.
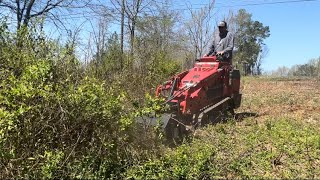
<point x="222" y="24"/>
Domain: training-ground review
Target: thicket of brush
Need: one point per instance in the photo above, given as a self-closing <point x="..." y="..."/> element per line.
<point x="61" y="118"/>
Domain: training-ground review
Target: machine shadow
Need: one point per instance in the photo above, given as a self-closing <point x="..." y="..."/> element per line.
<point x="241" y="116"/>
<point x="226" y="117"/>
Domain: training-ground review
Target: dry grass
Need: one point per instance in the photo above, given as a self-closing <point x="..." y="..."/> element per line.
<point x="281" y="141"/>
<point x="297" y="99"/>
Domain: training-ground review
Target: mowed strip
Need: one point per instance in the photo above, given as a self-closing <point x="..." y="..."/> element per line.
<point x="296" y="98"/>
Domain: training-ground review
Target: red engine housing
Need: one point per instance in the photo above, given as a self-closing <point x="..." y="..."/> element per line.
<point x="207" y="83"/>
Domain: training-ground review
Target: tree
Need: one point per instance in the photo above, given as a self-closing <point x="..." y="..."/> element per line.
<point x="249" y="40"/>
<point x="260" y="58"/>
<point x="111" y="56"/>
<point x="199" y="28"/>
<point x="316" y="64"/>
<point x="26" y="10"/>
<point x="281" y="71"/>
<point x="131" y="10"/>
<point x="311" y="69"/>
<point x="155" y="34"/>
<point x="305" y="70"/>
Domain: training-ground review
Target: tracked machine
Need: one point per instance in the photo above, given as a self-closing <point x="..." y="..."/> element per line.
<point x="198" y="96"/>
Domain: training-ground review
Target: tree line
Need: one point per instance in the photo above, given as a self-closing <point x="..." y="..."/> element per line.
<point x="309" y="69"/>
<point x="147" y="24"/>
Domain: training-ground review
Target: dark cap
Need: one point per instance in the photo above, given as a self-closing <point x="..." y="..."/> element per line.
<point x="222" y="24"/>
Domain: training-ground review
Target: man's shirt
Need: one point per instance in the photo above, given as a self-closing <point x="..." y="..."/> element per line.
<point x="222" y="42"/>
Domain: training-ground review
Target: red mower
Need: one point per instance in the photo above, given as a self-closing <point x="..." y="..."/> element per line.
<point x="200" y="95"/>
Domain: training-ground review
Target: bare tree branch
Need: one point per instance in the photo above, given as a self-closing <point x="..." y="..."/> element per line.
<point x="199" y="28"/>
<point x="27" y="14"/>
<point x="25" y="10"/>
<point x="7" y="5"/>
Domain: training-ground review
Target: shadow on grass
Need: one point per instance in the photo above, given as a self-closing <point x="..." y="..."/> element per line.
<point x="241" y="116"/>
<point x="224" y="117"/>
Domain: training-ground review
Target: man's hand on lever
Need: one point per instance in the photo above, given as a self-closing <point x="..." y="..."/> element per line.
<point x="220" y="53"/>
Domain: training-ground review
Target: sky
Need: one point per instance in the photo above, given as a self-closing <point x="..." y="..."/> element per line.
<point x="294" y="27"/>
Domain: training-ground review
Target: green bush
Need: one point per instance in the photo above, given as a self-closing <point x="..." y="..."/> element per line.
<point x="39" y="116"/>
<point x="188" y="161"/>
